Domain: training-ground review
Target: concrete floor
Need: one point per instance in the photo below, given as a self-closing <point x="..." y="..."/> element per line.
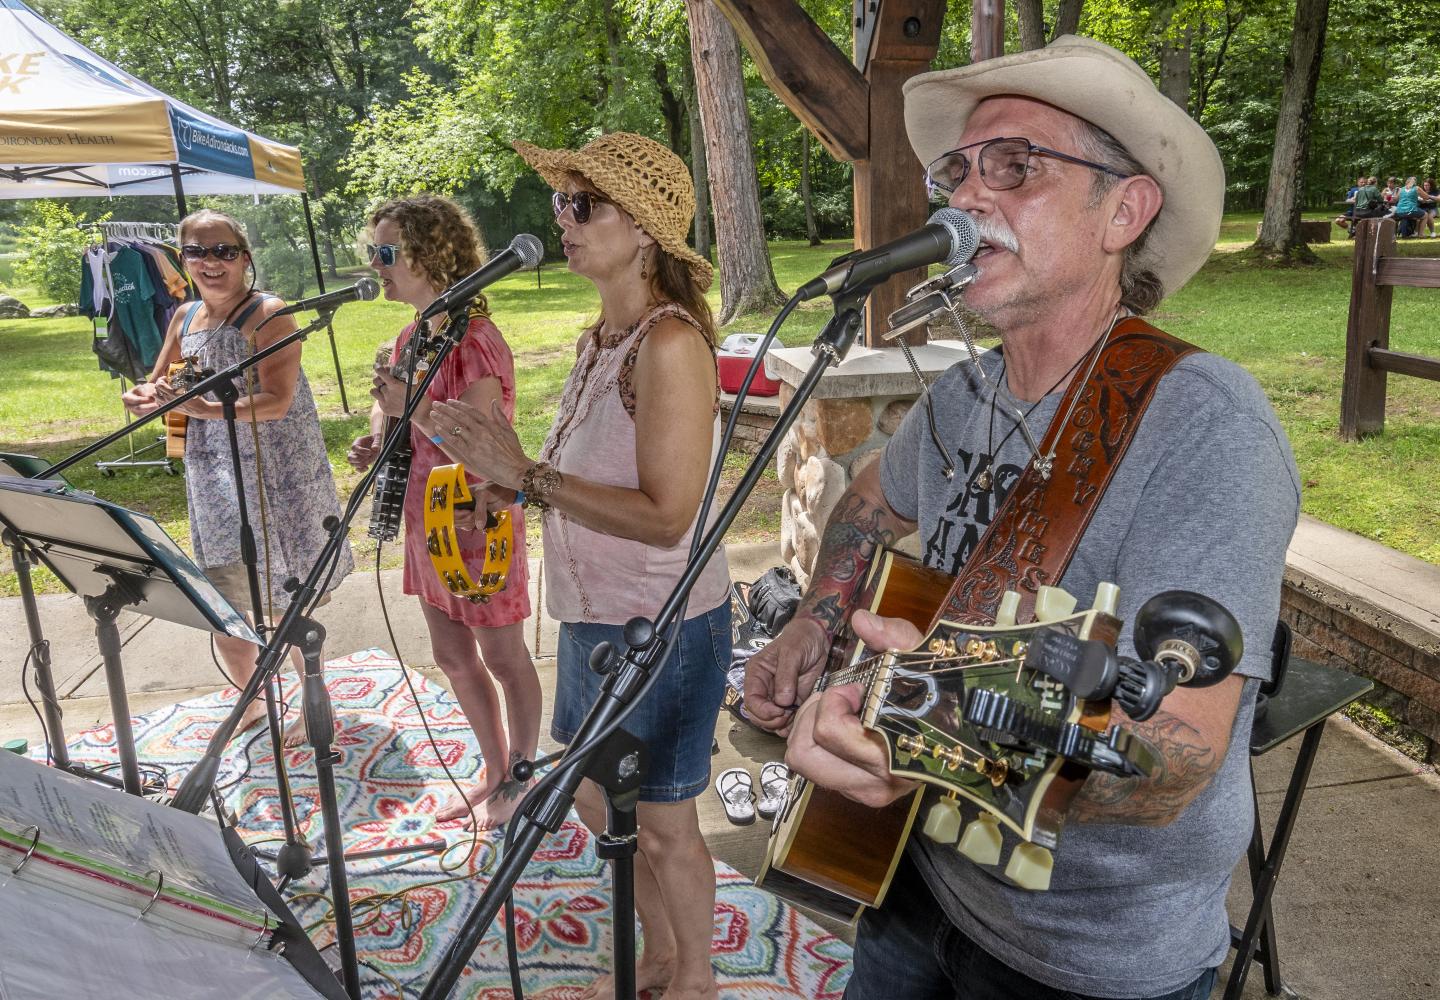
<point x="1358" y="900"/>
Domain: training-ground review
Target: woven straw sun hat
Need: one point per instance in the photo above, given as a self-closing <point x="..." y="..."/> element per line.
<point x="1092" y="81"/>
<point x="641" y="176"/>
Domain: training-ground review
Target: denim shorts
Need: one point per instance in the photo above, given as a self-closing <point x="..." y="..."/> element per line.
<point x="676" y="718"/>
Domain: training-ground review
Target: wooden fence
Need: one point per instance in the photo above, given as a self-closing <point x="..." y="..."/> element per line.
<point x="1368" y="358"/>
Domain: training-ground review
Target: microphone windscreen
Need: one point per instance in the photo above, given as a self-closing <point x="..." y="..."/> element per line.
<point x="529" y="249"/>
<point x="964" y="237"/>
<point x="366" y="289"/>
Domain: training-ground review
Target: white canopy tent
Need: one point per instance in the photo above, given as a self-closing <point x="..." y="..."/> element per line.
<point x="74" y="125"/>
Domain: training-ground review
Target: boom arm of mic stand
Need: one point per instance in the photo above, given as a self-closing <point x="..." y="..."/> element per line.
<point x="195" y="787"/>
<point x="201" y="387"/>
<point x="546" y="814"/>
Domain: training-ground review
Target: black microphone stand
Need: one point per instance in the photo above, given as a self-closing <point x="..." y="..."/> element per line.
<point x="606" y="753"/>
<point x="297" y="629"/>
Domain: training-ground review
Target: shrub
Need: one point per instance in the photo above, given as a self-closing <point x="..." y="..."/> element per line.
<point x="49" y="245"/>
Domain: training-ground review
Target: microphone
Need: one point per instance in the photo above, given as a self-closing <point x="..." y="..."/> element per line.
<point x="524" y="251"/>
<point x="364" y="290"/>
<point x="949" y="237"/>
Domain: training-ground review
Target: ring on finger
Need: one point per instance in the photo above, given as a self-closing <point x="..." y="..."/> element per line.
<point x="457" y="431"/>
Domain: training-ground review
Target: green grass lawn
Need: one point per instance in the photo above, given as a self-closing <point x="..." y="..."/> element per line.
<point x="1286" y="326"/>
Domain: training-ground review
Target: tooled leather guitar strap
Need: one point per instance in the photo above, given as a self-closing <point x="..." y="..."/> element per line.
<point x="1039" y="526"/>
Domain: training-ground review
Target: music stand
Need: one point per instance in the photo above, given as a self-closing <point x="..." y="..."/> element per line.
<point x="112" y="558"/>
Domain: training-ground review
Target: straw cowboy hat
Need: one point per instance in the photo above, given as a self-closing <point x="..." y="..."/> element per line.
<point x="642" y="177"/>
<point x="1093" y="81"/>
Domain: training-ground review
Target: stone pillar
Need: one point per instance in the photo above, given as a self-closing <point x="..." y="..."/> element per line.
<point x="855" y="409"/>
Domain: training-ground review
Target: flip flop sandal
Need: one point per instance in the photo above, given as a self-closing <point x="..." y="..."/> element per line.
<point x="774" y="781"/>
<point x="737" y="791"/>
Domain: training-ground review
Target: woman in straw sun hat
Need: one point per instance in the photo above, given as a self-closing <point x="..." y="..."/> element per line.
<point x="619" y="482"/>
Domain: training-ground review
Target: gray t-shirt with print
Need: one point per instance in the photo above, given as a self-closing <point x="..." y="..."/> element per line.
<point x="1206" y="500"/>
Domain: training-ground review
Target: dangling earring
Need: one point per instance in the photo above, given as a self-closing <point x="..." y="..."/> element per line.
<point x="644" y="262"/>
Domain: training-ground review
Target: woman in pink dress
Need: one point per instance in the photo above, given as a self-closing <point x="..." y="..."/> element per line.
<point x="420" y="246"/>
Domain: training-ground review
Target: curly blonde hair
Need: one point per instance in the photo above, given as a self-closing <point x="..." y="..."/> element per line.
<point x="437" y="237"/>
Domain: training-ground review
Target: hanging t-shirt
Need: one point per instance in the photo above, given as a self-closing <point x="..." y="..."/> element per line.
<point x="95" y="282"/>
<point x="134" y="305"/>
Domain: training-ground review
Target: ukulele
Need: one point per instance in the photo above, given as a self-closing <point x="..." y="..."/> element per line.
<point x="183" y="374"/>
<point x="991" y="716"/>
<point x="446" y="492"/>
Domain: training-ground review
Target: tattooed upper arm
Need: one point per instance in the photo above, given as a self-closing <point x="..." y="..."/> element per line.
<point x="1189" y="737"/>
<point x="861" y="524"/>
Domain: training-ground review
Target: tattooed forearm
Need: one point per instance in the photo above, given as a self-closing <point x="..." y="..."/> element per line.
<point x="1184" y="763"/>
<point x="858" y="528"/>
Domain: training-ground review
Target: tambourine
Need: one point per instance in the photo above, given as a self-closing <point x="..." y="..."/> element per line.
<point x="446" y="492"/>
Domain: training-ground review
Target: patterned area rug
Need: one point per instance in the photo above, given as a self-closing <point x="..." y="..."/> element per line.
<point x="389" y="786"/>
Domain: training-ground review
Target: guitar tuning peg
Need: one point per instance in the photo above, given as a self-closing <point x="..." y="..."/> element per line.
<point x="1009" y="608"/>
<point x="981" y="843"/>
<point x="1107" y="598"/>
<point x="1030" y="867"/>
<point x="1052" y="604"/>
<point x="942" y="823"/>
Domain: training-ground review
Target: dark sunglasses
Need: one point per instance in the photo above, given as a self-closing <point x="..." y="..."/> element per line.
<point x="386" y="253"/>
<point x="220" y="251"/>
<point x="581" y="204"/>
<point x="1004" y="165"/>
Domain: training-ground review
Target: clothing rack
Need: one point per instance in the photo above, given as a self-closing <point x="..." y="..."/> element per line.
<point x="152" y="232"/>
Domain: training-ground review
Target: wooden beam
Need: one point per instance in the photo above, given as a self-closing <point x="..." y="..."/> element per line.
<point x="1412" y="272"/>
<point x="807" y="71"/>
<point x="1402" y="363"/>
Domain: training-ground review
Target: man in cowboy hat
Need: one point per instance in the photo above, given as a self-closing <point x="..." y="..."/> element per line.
<point x="1094" y="197"/>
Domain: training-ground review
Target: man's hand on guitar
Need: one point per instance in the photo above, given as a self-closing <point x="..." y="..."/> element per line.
<point x="782" y="675"/>
<point x="831" y="747"/>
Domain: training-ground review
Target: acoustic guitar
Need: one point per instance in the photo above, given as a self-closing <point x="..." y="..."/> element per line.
<point x="183" y="374"/>
<point x="989" y="715"/>
<point x="446" y="492"/>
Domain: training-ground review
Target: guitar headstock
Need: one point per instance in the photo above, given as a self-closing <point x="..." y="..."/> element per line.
<point x="964" y="712"/>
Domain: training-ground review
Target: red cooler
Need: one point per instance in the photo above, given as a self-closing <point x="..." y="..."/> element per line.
<point x="736" y="353"/>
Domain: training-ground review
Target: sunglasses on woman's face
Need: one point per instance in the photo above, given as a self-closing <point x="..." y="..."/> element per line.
<point x="386" y="253"/>
<point x="581" y="204"/>
<point x="220" y="251"/>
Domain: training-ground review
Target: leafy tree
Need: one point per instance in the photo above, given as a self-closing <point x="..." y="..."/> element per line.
<point x="49" y="245"/>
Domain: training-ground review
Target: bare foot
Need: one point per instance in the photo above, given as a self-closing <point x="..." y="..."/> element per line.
<point x="254" y="712"/>
<point x="649" y="975"/>
<point x="485" y="811"/>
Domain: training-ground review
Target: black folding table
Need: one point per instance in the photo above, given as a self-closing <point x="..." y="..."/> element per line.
<point x="1310" y="694"/>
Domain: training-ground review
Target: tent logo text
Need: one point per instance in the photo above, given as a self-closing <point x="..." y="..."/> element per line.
<point x="16" y="68"/>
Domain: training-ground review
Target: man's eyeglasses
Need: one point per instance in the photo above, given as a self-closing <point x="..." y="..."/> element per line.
<point x="220" y="251"/>
<point x="386" y="253"/>
<point x="1004" y="165"/>
<point x="581" y="204"/>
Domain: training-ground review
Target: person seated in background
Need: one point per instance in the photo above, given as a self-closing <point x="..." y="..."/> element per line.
<point x="1428" y="198"/>
<point x="1391" y="190"/>
<point x="1344" y="219"/>
<point x="1369" y="204"/>
<point x="1408" y="213"/>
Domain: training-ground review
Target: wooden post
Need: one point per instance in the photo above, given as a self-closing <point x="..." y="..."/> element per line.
<point x="1362" y="395"/>
<point x="890" y="198"/>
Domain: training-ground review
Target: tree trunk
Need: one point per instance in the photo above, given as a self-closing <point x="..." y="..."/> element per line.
<point x="1032" y="24"/>
<point x="670" y="109"/>
<point x="1280" y="228"/>
<point x="812" y="229"/>
<point x="747" y="282"/>
<point x="1067" y="17"/>
<point x="699" y="168"/>
<point x="1175" y="59"/>
<point x="614" y="70"/>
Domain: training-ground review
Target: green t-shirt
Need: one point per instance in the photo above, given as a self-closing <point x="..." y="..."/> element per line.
<point x="1367" y="199"/>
